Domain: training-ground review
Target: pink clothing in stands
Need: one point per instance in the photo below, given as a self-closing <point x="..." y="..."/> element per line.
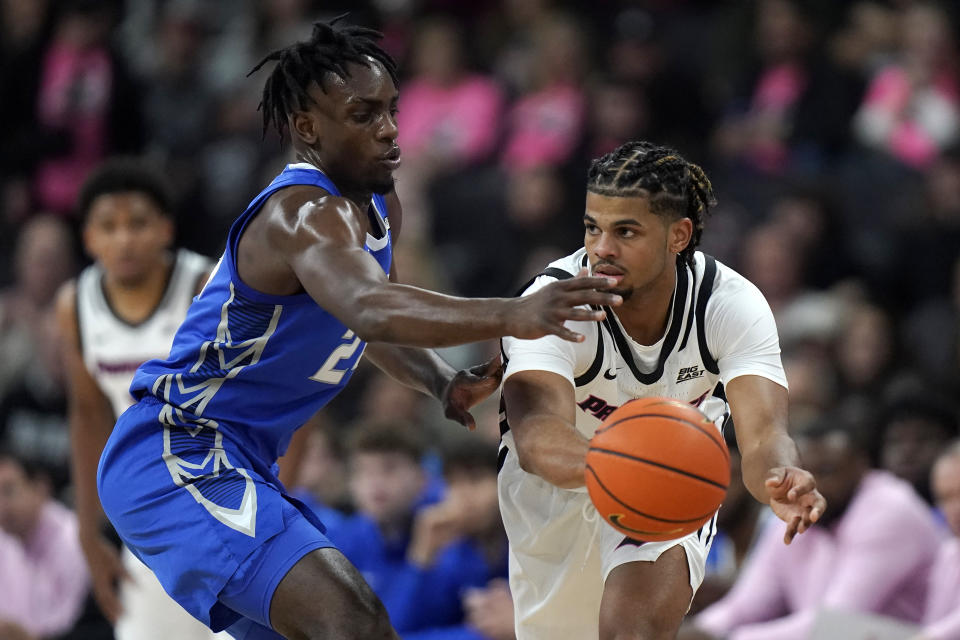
<point x="876" y="558"/>
<point x="74" y="98"/>
<point x="43" y="584"/>
<point x="545" y="127"/>
<point x="461" y="123"/>
<point x="911" y="123"/>
<point x="942" y="617"/>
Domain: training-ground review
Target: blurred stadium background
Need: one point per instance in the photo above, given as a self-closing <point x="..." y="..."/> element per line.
<point x="830" y="129"/>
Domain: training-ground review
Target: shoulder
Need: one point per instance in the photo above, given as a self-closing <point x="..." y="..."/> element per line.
<point x="65" y="302"/>
<point x="560" y="269"/>
<point x="731" y="292"/>
<point x="307" y="211"/>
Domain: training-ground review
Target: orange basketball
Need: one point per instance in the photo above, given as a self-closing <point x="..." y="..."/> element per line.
<point x="657" y="469"/>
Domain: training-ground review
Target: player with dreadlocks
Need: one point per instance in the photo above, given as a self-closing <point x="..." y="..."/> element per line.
<point x="188" y="477"/>
<point x="689" y="328"/>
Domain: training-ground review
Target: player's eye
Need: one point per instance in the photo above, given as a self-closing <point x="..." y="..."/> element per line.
<point x="627" y="233"/>
<point x="361" y="117"/>
<point x="591" y="228"/>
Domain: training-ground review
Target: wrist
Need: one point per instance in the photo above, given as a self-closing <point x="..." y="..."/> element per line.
<point x="442" y="378"/>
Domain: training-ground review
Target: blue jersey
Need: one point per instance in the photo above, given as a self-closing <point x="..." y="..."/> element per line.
<point x="256" y="366"/>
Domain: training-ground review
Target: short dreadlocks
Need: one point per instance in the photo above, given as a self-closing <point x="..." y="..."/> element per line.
<point x="328" y="51"/>
<point x="673" y="185"/>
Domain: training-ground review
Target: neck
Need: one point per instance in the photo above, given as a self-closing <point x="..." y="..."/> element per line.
<point x="360" y="197"/>
<point x="135" y="301"/>
<point x="644" y="314"/>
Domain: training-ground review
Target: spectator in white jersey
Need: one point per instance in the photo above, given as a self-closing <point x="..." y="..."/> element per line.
<point x="682" y="312"/>
<point x="121" y="311"/>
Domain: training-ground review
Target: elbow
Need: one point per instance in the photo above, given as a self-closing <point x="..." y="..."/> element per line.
<point x="371" y="323"/>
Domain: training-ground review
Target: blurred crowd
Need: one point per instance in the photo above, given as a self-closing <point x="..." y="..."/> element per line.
<point x="830" y="130"/>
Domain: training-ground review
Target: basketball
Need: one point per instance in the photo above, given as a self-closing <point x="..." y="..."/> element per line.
<point x="657" y="469"/>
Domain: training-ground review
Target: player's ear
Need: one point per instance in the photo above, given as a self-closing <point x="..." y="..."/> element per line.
<point x="90" y="238"/>
<point x="679" y="234"/>
<point x="304" y="125"/>
<point x="167" y="230"/>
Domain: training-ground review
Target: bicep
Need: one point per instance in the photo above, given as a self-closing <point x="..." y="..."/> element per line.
<point x="324" y="247"/>
<point x="538" y="395"/>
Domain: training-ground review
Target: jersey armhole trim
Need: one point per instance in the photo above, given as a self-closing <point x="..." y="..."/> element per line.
<point x="706" y="290"/>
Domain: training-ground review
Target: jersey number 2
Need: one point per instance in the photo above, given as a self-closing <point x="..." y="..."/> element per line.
<point x="329" y="373"/>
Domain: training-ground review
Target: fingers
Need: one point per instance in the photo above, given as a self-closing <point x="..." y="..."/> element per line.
<point x="491" y="367"/>
<point x="792" y="528"/>
<point x="775" y="481"/>
<point x="801" y="483"/>
<point x="819" y="506"/>
<point x="566" y="334"/>
<point x="463" y="417"/>
<point x="585" y="315"/>
<point x="586" y="282"/>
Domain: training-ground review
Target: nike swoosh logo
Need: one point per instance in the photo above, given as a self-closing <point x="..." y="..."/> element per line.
<point x="606" y="374"/>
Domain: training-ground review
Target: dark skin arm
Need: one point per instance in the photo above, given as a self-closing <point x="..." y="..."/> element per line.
<point x="423" y="369"/>
<point x="771" y="465"/>
<point x="541" y="408"/>
<point x="91" y="421"/>
<point x="303" y="236"/>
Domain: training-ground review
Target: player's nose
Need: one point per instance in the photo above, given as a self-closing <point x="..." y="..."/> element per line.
<point x="389" y="130"/>
<point x="604" y="246"/>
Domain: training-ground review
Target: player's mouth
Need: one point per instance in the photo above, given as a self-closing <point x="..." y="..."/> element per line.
<point x="609" y="271"/>
<point x="391" y="158"/>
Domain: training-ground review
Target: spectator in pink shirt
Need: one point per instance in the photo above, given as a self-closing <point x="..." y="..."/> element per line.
<point x="449" y="117"/>
<point x="870" y="552"/>
<point x="43" y="577"/>
<point x="546" y="124"/>
<point x="942" y="615"/>
<point x="912" y="108"/>
<point x="446" y="112"/>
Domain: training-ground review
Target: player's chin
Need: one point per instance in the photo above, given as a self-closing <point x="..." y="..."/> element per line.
<point x="383" y="183"/>
<point x="623" y="292"/>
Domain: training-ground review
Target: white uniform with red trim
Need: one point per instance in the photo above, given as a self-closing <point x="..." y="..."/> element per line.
<point x="112" y="350"/>
<point x="720" y="327"/>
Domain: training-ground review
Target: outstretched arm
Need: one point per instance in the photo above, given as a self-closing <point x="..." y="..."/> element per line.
<point x="541" y="409"/>
<point x="322" y="241"/>
<point x="771" y="465"/>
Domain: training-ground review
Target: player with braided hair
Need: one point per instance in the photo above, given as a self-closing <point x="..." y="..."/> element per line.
<point x="689" y="328"/>
<point x="188" y="476"/>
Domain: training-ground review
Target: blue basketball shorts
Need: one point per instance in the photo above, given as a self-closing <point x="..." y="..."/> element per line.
<point x="212" y="521"/>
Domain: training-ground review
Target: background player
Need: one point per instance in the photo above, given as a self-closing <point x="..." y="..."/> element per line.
<point x="120" y="312"/>
<point x="274" y="335"/>
<point x="689" y="328"/>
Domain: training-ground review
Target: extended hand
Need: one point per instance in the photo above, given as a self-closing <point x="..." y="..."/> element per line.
<point x="490" y="610"/>
<point x="106" y="572"/>
<point x="469" y="387"/>
<point x="544" y="312"/>
<point x="795" y="499"/>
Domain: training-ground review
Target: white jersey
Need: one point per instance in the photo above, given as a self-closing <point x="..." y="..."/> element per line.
<point x="719" y="327"/>
<point x="113" y="348"/>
